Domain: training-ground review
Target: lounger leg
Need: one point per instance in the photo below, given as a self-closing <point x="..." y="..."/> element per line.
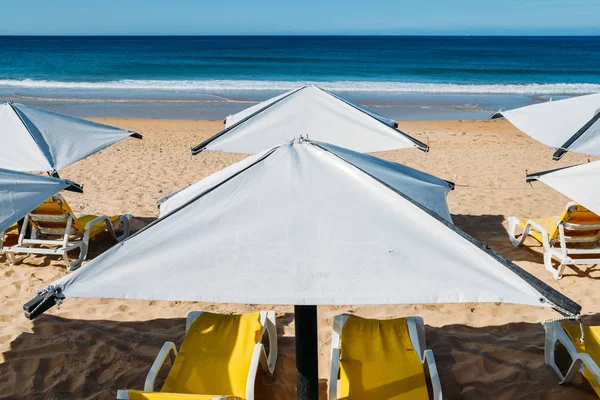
<point x="72" y="266"/>
<point x="573" y="369"/>
<point x="549" y="267"/>
<point x="512" y="234"/>
<point x="549" y="349"/>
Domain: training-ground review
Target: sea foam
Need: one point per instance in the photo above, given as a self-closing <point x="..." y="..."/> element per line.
<point x="341" y="86"/>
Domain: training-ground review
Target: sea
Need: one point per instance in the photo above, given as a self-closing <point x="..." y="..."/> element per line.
<point x="210" y="77"/>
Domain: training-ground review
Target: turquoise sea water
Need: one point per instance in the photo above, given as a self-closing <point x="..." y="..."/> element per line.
<point x="209" y="77"/>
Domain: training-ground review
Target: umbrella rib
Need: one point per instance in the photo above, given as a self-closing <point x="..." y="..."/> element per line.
<point x="420" y="145"/>
<point x="557" y="299"/>
<point x="535" y="176"/>
<point x="562" y="150"/>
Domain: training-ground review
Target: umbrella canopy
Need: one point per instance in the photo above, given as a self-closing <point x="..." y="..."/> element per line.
<point x="34" y="139"/>
<point x="21" y="192"/>
<point x="300" y="225"/>
<point x="428" y="190"/>
<point x="567" y="125"/>
<point x="580" y="183"/>
<point x="309" y="112"/>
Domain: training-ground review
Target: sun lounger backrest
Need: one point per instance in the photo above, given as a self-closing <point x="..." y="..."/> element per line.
<point x="591" y="346"/>
<point x="579" y="215"/>
<point x="52" y="216"/>
<point x="378" y="361"/>
<point x="215" y="355"/>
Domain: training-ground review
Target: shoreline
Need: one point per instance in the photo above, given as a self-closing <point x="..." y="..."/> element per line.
<point x="205" y="105"/>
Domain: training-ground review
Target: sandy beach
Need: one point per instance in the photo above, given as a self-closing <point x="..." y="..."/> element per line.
<point x="88" y="348"/>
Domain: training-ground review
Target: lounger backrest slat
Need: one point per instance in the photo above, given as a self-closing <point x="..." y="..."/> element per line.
<point x="579" y="223"/>
<point x="52" y="215"/>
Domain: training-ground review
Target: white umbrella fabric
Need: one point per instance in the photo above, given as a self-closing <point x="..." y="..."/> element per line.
<point x="313" y="113"/>
<point x="21" y="192"/>
<point x="567" y="125"/>
<point x="300" y="225"/>
<point x="580" y="183"/>
<point x="34" y="139"/>
<point x="428" y="190"/>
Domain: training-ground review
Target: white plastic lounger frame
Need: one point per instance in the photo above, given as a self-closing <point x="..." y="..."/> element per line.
<point x="259" y="357"/>
<point x="562" y="252"/>
<point x="556" y="333"/>
<point x="60" y="247"/>
<point x="416" y="331"/>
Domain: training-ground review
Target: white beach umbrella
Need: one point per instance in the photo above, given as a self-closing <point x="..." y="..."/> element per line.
<point x="310" y="112"/>
<point x="580" y="183"/>
<point x="21" y="192"/>
<point x="302" y="224"/>
<point x="567" y="125"/>
<point x="428" y="190"/>
<point x="34" y="139"/>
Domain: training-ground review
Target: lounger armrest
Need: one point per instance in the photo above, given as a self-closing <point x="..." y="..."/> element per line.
<point x="124" y="219"/>
<point x="416" y="332"/>
<point x="258" y="358"/>
<point x="271" y="329"/>
<point x="168" y="349"/>
<point x="532" y="224"/>
<point x="338" y="324"/>
<point x="433" y="374"/>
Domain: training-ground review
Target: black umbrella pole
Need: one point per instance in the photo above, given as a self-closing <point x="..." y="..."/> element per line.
<point x="307" y="352"/>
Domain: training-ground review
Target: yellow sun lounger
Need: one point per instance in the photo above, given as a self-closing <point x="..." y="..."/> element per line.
<point x="218" y="358"/>
<point x="584" y="356"/>
<point x="575" y="232"/>
<point x="381" y="359"/>
<point x="54" y="218"/>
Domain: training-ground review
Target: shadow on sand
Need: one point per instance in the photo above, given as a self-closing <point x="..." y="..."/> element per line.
<point x="68" y="358"/>
<point x="492" y="229"/>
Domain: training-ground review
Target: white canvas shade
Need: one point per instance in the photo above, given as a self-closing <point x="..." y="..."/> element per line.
<point x="428" y="190"/>
<point x="34" y="139"/>
<point x="22" y="192"/>
<point x="567" y="125"/>
<point x="580" y="183"/>
<point x="300" y="225"/>
<point x="313" y="113"/>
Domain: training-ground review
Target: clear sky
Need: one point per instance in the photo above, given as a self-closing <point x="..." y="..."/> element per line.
<point x="231" y="17"/>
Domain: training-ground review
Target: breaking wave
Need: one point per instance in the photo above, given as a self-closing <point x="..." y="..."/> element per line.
<point x="341" y="86"/>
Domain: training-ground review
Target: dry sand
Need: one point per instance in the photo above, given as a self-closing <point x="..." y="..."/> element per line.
<point x="90" y="348"/>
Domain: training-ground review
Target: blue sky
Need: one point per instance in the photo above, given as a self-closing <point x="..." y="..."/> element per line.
<point x="230" y="17"/>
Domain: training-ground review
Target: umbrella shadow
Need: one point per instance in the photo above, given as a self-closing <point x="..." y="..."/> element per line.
<point x="71" y="358"/>
<point x="492" y="230"/>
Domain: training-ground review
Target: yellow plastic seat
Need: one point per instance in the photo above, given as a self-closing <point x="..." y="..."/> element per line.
<point x="550" y="224"/>
<point x="218" y="358"/>
<point x="573" y="238"/>
<point x="55" y="218"/>
<point x="584" y="356"/>
<point x="381" y="359"/>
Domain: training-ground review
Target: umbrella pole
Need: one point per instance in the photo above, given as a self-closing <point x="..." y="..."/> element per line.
<point x="307" y="351"/>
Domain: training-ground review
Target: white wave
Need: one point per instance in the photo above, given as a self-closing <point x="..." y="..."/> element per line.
<point x="342" y="86"/>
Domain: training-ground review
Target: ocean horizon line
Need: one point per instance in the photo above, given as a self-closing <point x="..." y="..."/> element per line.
<point x="298" y="35"/>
